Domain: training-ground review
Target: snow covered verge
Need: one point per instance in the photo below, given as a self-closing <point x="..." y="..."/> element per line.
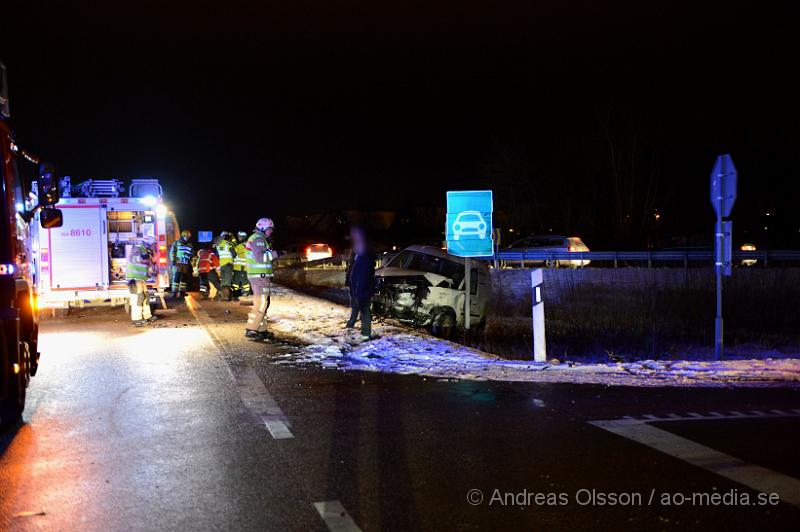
<point x="316" y="327"/>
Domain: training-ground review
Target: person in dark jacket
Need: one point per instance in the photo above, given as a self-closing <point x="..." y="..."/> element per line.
<point x="361" y="279"/>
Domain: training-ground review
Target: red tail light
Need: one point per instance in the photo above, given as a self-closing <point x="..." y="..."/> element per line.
<point x="572" y="248"/>
<point x="308" y="251"/>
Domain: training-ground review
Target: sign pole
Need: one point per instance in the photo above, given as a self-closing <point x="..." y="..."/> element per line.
<point x="719" y="260"/>
<point x="723" y="196"/>
<point x="469" y="233"/>
<point x="467" y="282"/>
<point x="718" y="337"/>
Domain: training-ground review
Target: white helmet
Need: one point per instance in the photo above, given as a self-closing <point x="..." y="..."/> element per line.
<point x="265" y="223"/>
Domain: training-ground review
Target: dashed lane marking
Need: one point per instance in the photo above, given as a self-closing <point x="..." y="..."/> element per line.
<point x="258" y="400"/>
<point x="753" y="476"/>
<point x="249" y="385"/>
<point x="336" y="517"/>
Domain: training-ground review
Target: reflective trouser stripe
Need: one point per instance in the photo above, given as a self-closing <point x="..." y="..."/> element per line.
<point x="179" y="280"/>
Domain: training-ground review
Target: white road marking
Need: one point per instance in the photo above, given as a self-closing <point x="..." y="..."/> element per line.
<point x="753" y="476"/>
<point x="251" y="388"/>
<point x="336" y="517"/>
<point x="716" y="416"/>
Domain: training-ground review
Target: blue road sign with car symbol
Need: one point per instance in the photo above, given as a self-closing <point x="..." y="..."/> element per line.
<point x="205" y="236"/>
<point x="469" y="223"/>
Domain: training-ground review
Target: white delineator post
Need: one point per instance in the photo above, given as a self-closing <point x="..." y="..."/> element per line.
<point x="537" y="311"/>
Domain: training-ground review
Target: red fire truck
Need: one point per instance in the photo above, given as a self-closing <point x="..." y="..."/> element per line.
<point x="19" y="208"/>
<point x="83" y="262"/>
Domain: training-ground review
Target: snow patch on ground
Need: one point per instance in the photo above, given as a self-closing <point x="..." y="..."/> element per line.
<point x="317" y="328"/>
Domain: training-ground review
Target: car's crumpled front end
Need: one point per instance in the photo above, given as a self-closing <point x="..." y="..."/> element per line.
<point x="408" y="295"/>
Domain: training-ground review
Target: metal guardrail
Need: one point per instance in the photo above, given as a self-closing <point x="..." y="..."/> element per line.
<point x="650" y="257"/>
<point x="644" y="256"/>
<point x="336" y="260"/>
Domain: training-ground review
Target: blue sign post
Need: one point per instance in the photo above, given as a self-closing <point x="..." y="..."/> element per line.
<point x="723" y="195"/>
<point x="205" y="236"/>
<point x="468" y="230"/>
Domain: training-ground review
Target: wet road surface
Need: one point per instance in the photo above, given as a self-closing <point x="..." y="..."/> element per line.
<point x="187" y="425"/>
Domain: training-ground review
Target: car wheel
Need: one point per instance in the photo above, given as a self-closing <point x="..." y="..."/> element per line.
<point x="443" y="323"/>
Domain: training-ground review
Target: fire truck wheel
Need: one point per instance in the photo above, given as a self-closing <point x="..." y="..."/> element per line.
<point x="11" y="407"/>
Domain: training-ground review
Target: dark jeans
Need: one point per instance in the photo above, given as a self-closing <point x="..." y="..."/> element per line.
<point x="360" y="305"/>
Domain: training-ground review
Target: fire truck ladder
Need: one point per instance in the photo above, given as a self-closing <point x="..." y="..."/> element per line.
<point x="98" y="188"/>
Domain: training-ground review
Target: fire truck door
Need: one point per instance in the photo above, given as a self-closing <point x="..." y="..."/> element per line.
<point x="79" y="249"/>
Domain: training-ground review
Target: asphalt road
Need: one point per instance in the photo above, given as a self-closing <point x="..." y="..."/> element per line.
<point x="187" y="425"/>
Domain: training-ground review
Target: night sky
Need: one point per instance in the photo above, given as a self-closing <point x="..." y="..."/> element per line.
<point x="246" y="109"/>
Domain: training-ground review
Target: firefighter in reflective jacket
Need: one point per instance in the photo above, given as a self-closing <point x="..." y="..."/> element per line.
<point x="225" y="254"/>
<point x="180" y="256"/>
<point x="136" y="273"/>
<point x="259" y="273"/>
<point x="241" y="286"/>
<point x="207" y="264"/>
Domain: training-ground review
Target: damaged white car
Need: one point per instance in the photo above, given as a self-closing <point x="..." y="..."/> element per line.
<point x="424" y="286"/>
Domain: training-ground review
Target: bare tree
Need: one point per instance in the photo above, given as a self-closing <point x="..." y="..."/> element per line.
<point x="633" y="173"/>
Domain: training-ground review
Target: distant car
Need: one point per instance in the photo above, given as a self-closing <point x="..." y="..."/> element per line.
<point x="302" y="253"/>
<point x="469" y="223"/>
<point x="550" y="243"/>
<point x="748" y="247"/>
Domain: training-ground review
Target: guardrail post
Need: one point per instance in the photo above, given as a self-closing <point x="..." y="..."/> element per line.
<point x="649" y="259"/>
<point x="615" y="260"/>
